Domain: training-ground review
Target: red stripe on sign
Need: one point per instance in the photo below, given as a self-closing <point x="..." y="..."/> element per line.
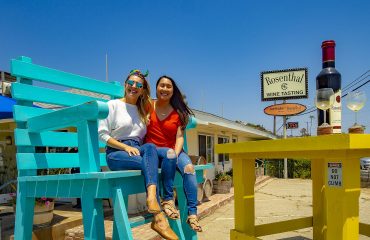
<point x="334" y="164"/>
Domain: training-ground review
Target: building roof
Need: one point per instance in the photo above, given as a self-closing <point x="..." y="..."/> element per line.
<point x="203" y="118"/>
<point x="74" y="91"/>
<point x="209" y="119"/>
<point x="5" y="76"/>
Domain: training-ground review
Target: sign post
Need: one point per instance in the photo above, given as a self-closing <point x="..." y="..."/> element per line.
<point x="283" y="85"/>
<point x="285" y="159"/>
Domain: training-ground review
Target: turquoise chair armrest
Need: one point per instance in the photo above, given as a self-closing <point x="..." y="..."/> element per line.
<point x="68" y="117"/>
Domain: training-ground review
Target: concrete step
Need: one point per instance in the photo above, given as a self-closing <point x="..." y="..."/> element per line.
<point x="67" y="221"/>
<point x="144" y="232"/>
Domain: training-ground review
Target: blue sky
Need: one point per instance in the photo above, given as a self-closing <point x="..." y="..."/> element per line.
<point x="214" y="49"/>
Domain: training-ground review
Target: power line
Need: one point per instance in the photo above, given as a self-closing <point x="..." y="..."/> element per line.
<point x="356" y="88"/>
<point x="358" y="82"/>
<point x="313" y="109"/>
<point x="346" y="88"/>
<point x="351" y="84"/>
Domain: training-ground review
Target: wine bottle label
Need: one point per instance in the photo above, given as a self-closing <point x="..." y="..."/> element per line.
<point x="335" y="114"/>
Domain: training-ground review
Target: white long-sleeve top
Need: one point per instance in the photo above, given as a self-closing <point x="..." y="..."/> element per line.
<point x="123" y="122"/>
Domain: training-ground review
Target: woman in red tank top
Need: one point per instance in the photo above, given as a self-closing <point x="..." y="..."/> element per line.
<point x="166" y="128"/>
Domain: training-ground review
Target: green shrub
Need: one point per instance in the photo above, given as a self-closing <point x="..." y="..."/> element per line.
<point x="222" y="176"/>
<point x="297" y="168"/>
<point x="274" y="168"/>
<point x="230" y="172"/>
<point x="302" y="169"/>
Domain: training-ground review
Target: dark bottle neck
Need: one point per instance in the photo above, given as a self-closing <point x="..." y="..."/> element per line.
<point x="327" y="64"/>
<point x="328" y="54"/>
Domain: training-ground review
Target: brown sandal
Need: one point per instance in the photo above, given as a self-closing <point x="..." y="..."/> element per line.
<point x="194" y="223"/>
<point x="170" y="209"/>
<point x="153" y="206"/>
<point x="161" y="226"/>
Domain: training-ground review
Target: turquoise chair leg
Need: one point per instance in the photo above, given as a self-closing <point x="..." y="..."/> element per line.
<point x="187" y="231"/>
<point x="121" y="223"/>
<point x="24" y="217"/>
<point x="176" y="227"/>
<point x="115" y="232"/>
<point x="93" y="218"/>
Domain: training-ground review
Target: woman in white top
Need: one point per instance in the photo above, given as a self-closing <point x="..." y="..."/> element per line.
<point x="123" y="131"/>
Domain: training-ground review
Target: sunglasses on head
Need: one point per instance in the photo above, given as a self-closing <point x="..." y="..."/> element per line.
<point x="138" y="72"/>
<point x="132" y="83"/>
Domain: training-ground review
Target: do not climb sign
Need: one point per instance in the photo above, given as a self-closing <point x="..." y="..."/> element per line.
<point x="335" y="174"/>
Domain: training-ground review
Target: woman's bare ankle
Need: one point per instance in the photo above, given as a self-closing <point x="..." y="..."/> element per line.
<point x="152" y="192"/>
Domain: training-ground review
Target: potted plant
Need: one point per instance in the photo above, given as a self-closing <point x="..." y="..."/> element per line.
<point x="44" y="207"/>
<point x="222" y="182"/>
<point x="43" y="210"/>
<point x="230" y="173"/>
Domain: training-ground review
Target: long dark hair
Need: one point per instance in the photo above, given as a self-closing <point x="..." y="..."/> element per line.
<point x="177" y="101"/>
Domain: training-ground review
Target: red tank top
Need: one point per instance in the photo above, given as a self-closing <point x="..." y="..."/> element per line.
<point x="163" y="133"/>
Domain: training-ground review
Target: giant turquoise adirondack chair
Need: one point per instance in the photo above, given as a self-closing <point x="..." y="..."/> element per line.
<point x="35" y="127"/>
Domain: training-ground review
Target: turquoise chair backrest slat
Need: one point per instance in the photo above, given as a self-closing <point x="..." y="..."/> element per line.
<point x="31" y="71"/>
<point x="49" y="96"/>
<point x="27" y="95"/>
<point x="47" y="139"/>
<point x="26" y="161"/>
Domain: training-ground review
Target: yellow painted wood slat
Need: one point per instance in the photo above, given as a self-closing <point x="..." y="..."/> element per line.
<point x="300" y="147"/>
<point x="244" y="180"/>
<point x="235" y="235"/>
<point x="283" y="226"/>
<point x="318" y="204"/>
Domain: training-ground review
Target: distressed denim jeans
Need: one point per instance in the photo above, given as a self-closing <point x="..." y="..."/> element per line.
<point x="189" y="178"/>
<point x="167" y="163"/>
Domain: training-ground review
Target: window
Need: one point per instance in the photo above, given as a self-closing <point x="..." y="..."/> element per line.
<point x="206" y="147"/>
<point x="223" y="157"/>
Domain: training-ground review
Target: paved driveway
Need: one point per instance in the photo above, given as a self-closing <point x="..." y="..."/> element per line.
<point x="276" y="200"/>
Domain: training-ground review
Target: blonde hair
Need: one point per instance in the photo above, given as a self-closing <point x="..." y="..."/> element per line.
<point x="144" y="102"/>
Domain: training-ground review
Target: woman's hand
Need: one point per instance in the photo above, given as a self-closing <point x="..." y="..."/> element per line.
<point x="118" y="145"/>
<point x="131" y="150"/>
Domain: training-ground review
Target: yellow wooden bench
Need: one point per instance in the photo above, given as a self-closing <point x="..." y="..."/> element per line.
<point x="335" y="172"/>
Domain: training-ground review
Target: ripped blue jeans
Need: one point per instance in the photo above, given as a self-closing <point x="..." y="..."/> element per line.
<point x="167" y="157"/>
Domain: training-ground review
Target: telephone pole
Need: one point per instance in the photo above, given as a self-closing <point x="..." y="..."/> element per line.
<point x="307" y="128"/>
<point x="311" y="118"/>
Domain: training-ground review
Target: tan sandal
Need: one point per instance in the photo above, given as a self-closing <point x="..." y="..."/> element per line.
<point x="170" y="209"/>
<point x="194" y="223"/>
<point x="161" y="226"/>
<point x="153" y="206"/>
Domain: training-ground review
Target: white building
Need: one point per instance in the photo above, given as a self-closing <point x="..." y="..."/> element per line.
<point x="212" y="129"/>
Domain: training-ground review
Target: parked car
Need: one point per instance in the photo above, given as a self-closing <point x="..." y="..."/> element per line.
<point x="365" y="163"/>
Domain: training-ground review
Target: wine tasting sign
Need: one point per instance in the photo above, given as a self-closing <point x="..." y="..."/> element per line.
<point x="284" y="84"/>
<point x="285" y="109"/>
